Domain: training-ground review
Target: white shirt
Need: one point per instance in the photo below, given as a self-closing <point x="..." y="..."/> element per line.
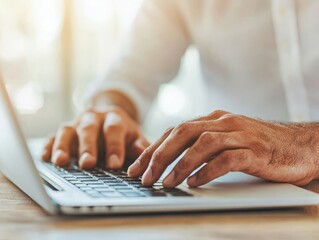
<point x="249" y="52"/>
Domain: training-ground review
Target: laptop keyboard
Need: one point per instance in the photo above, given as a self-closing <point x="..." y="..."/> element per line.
<point x="100" y="183"/>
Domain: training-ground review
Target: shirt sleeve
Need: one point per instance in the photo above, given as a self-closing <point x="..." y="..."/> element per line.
<point x="150" y="56"/>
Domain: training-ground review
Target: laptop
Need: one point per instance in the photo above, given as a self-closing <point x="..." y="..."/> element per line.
<point x="71" y="191"/>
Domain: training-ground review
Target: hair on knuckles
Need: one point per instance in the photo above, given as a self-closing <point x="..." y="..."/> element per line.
<point x="183" y="128"/>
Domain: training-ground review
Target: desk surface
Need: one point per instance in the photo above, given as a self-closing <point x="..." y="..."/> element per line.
<point x="21" y="218"/>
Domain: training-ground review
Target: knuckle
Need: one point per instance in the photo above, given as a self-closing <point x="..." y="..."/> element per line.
<point x="183" y="128"/>
<point x="218" y="113"/>
<point x="232" y="119"/>
<point x="204" y="174"/>
<point x="89" y="127"/>
<point x="183" y="165"/>
<point x="114" y="148"/>
<point x="114" y="128"/>
<point x="168" y="131"/>
<point x="115" y="109"/>
<point x="230" y="161"/>
<point x="157" y="155"/>
<point x="206" y="138"/>
<point x="66" y="127"/>
<point x="147" y="153"/>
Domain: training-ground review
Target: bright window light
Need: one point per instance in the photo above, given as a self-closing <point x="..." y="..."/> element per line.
<point x="12" y="46"/>
<point x="172" y="100"/>
<point x="29" y="98"/>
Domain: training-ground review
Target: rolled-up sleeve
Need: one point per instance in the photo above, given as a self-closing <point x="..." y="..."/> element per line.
<point x="150" y="55"/>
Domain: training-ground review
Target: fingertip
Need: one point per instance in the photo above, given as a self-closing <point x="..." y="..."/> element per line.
<point x="147" y="178"/>
<point x="114" y="162"/>
<point x="87" y="161"/>
<point x="133" y="170"/>
<point x="45" y="155"/>
<point x="60" y="158"/>
<point x="192" y="181"/>
<point x="169" y="181"/>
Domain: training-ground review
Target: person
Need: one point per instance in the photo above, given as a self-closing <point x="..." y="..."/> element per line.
<point x="259" y="59"/>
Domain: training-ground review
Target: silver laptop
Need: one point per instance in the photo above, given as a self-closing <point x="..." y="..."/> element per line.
<point x="74" y="192"/>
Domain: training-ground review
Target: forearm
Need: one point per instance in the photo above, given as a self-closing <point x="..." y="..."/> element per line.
<point x="115" y="98"/>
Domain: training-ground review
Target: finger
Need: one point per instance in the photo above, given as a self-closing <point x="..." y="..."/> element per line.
<point x="47" y="150"/>
<point x="227" y="161"/>
<point x="140" y="165"/>
<point x="114" y="134"/>
<point x="137" y="148"/>
<point x="182" y="137"/>
<point x="206" y="146"/>
<point x="215" y="115"/>
<point x="61" y="145"/>
<point x="88" y="132"/>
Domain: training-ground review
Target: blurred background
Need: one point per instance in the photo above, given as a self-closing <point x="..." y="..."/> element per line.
<point x="50" y="50"/>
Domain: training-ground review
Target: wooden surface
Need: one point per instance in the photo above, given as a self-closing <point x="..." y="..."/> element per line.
<point x="20" y="218"/>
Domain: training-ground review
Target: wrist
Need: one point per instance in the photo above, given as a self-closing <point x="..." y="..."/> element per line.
<point x="316" y="151"/>
<point x="105" y="100"/>
<point x="311" y="136"/>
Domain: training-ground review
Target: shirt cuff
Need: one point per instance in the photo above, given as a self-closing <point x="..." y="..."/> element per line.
<point x="140" y="102"/>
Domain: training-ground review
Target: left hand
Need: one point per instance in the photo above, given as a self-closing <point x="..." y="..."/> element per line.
<point x="223" y="142"/>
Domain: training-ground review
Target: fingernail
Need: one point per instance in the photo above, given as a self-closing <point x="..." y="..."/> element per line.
<point x="60" y="158"/>
<point x="114" y="161"/>
<point x="87" y="161"/>
<point x="169" y="180"/>
<point x="192" y="180"/>
<point x="147" y="177"/>
<point x="134" y="168"/>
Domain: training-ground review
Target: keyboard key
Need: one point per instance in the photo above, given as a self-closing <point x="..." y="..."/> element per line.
<point x="91" y="192"/>
<point x="90" y="181"/>
<point x="111" y="181"/>
<point x="105" y="190"/>
<point x="133" y="194"/>
<point x="86" y="189"/>
<point x="99" y="175"/>
<point x="96" y="195"/>
<point x="70" y="178"/>
<point x="73" y="170"/>
<point x="93" y="171"/>
<point x="123" y="189"/>
<point x="95" y="186"/>
<point x="181" y="194"/>
<point x="80" y="174"/>
<point x="107" y="179"/>
<point x="133" y="180"/>
<point x="87" y="177"/>
<point x="111" y="194"/>
<point x="74" y="181"/>
<point x="100" y="188"/>
<point x="80" y="185"/>
<point x="155" y="194"/>
<point x="146" y="189"/>
<point x="118" y="184"/>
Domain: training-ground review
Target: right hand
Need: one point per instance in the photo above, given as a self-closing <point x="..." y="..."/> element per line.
<point x="110" y="136"/>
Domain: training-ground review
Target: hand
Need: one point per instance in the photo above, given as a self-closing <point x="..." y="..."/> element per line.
<point x="111" y="135"/>
<point x="224" y="142"/>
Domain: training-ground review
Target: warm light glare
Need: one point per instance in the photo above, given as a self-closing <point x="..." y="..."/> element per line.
<point x="46" y="20"/>
<point x="97" y="13"/>
<point x="12" y="46"/>
<point x="29" y="98"/>
<point x="172" y="99"/>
